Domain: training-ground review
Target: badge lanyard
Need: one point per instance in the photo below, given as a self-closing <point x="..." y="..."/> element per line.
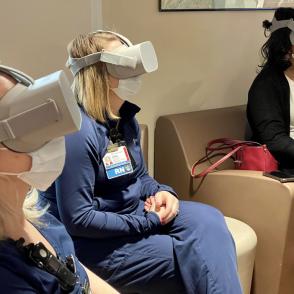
<point x="117" y="161"/>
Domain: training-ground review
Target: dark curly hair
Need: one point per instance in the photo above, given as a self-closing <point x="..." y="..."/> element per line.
<point x="276" y="48"/>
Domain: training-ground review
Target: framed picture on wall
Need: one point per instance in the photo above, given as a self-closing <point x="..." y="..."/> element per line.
<point x="191" y="5"/>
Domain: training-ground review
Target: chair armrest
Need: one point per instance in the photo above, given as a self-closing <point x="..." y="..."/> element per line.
<point x="144" y="142"/>
<point x="267" y="206"/>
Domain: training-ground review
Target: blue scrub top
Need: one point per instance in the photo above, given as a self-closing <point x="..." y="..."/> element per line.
<point x="87" y="202"/>
<point x="18" y="274"/>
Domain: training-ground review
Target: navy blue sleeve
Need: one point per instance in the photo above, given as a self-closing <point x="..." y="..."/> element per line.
<point x="149" y="185"/>
<point x="75" y="193"/>
<point x="12" y="283"/>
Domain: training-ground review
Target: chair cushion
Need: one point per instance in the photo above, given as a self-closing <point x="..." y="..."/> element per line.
<point x="246" y="241"/>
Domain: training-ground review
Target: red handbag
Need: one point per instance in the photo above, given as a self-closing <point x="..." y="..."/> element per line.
<point x="247" y="155"/>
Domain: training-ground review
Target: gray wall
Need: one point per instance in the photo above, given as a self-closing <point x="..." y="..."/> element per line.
<point x="34" y="33"/>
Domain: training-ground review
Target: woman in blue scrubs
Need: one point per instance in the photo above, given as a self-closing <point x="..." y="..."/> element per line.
<point x="126" y="227"/>
<point x="26" y="265"/>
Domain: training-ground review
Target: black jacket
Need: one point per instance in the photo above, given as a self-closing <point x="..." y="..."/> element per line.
<point x="268" y="113"/>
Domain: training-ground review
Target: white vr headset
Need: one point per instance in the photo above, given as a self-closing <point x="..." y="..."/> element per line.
<point x="279" y="24"/>
<point x="122" y="63"/>
<point x="34" y="112"/>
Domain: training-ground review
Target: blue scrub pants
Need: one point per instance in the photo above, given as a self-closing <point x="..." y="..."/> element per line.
<point x="194" y="253"/>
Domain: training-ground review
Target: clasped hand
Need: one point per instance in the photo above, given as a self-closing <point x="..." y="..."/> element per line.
<point x="164" y="204"/>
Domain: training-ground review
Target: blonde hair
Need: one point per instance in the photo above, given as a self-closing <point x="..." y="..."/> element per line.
<point x="91" y="84"/>
<point x="30" y="207"/>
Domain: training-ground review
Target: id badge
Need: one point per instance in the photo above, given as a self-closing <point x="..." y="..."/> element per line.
<point x="117" y="161"/>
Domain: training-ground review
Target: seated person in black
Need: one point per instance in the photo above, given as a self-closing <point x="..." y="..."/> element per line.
<point x="270" y="109"/>
<point x="36" y="253"/>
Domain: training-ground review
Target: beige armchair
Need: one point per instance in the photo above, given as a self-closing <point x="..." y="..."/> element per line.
<point x="264" y="204"/>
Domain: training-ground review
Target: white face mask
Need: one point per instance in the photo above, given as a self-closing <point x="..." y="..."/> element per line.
<point x="127" y="88"/>
<point x="47" y="165"/>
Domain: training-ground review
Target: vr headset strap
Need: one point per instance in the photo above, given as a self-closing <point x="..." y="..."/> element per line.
<point x="17" y="75"/>
<point x="279" y="24"/>
<point x="76" y="64"/>
<point x="35" y="118"/>
<point x="123" y="39"/>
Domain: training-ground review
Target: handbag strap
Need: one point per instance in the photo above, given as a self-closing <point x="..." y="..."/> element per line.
<point x="227" y="143"/>
<point x="214" y="165"/>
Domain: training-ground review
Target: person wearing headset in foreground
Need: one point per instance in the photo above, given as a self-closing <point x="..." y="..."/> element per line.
<point x="36" y="252"/>
<point x="270" y="108"/>
<point x="128" y="228"/>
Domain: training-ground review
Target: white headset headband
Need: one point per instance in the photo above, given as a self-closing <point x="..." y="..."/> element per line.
<point x="17" y="75"/>
<point x="123" y="62"/>
<point x="280" y="24"/>
<point x="76" y="64"/>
